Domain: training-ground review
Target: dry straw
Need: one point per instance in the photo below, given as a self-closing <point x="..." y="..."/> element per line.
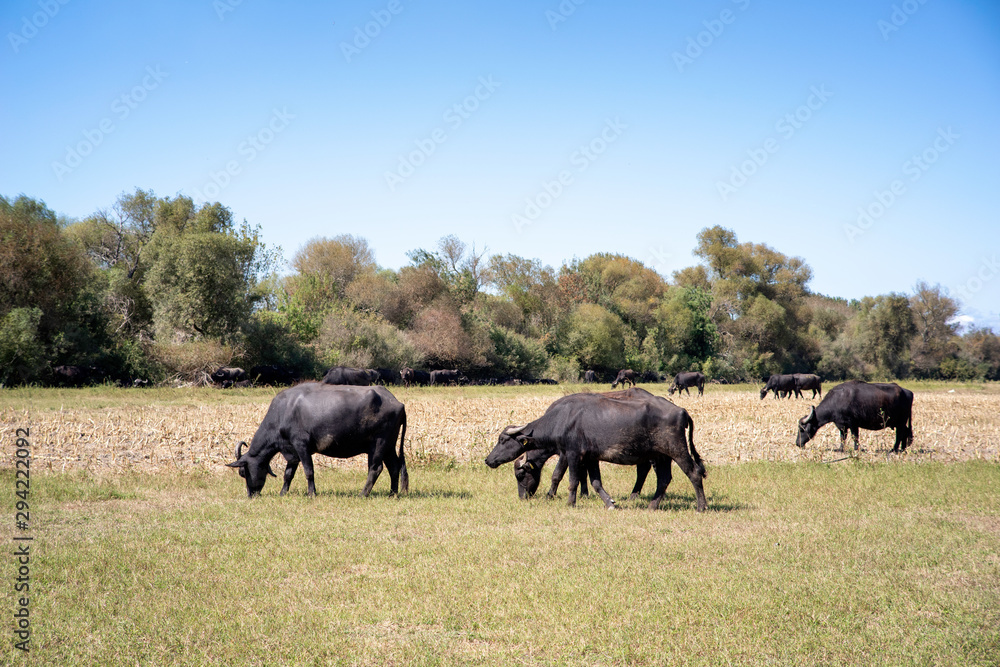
<point x="461" y="426"/>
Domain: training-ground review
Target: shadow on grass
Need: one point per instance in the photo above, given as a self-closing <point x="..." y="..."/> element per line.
<point x="416" y="494"/>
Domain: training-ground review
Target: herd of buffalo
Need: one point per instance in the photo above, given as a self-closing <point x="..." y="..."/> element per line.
<point x="344" y="416"/>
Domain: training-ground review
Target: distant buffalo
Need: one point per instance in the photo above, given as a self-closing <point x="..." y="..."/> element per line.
<point x="229" y="374"/>
<point x="411" y="377"/>
<point x="854" y="405"/>
<point x="806" y="382"/>
<point x="625" y="376"/>
<point x="684" y="381"/>
<point x="589" y="376"/>
<point x="444" y="377"/>
<point x="384" y="376"/>
<point x="781" y="385"/>
<point x="271" y="375"/>
<point x="346" y="375"/>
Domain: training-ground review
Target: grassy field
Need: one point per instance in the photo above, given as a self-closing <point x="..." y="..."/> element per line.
<point x="876" y="559"/>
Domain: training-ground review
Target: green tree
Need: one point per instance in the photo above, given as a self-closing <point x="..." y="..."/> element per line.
<point x="596" y="338"/>
<point x="936" y="337"/>
<point x="885" y="327"/>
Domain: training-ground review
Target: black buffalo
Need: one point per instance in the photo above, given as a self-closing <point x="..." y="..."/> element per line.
<point x="589" y="376"/>
<point x="411" y="376"/>
<point x="625" y="376"/>
<point x="446" y="377"/>
<point x="586" y="429"/>
<point x="346" y="375"/>
<point x="854" y="405"/>
<point x="229" y="374"/>
<point x="385" y="376"/>
<point x="651" y="376"/>
<point x="685" y="380"/>
<point x="341" y="421"/>
<point x="528" y="468"/>
<point x="270" y="374"/>
<point x="807" y="382"/>
<point x="781" y="385"/>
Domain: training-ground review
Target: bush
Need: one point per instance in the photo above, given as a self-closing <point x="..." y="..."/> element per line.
<point x="564" y="369"/>
<point x="350" y="338"/>
<point x="515" y="355"/>
<point x="192" y="361"/>
<point x="22" y="356"/>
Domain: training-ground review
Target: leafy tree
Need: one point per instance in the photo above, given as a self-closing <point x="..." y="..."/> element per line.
<point x="22" y="356"/>
<point x="325" y="268"/>
<point x="204" y="274"/>
<point x="885" y="326"/>
<point x="936" y="331"/>
<point x="596" y="338"/>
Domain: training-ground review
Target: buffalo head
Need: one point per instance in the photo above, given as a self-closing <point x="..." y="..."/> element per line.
<point x="808" y="426"/>
<point x="252" y="469"/>
<point x="672" y="388"/>
<point x="763" y="393"/>
<point x="513" y="441"/>
<point x="528" y="475"/>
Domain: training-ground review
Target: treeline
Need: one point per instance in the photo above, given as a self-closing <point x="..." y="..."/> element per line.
<point x="160" y="289"/>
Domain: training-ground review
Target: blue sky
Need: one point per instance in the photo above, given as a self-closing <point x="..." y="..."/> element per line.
<point x="862" y="136"/>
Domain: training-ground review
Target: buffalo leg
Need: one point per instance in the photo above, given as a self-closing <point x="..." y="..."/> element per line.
<point x="374" y="470"/>
<point x="290" y="468"/>
<point x="694" y="473"/>
<point x="641" y="472"/>
<point x="557" y="476"/>
<point x="594" y="468"/>
<point x="663" y="477"/>
<point x="843" y="439"/>
<point x="574" y="467"/>
<point x="854" y="433"/>
<point x="301" y="448"/>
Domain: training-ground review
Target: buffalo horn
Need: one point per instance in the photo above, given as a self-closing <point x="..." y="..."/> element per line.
<point x="513" y="430"/>
<point x="239" y="449"/>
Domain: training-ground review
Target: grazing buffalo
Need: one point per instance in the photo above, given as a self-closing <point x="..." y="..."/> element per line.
<point x="684" y="381"/>
<point x="228" y="374"/>
<point x="652" y="376"/>
<point x="781" y="385"/>
<point x="854" y="405"/>
<point x="586" y="429"/>
<point x="410" y="376"/>
<point x="589" y="376"/>
<point x="345" y="375"/>
<point x="385" y="376"/>
<point x="806" y="382"/>
<point x="446" y="377"/>
<point x="270" y="374"/>
<point x="528" y="468"/>
<point x="341" y="421"/>
<point x="627" y="375"/>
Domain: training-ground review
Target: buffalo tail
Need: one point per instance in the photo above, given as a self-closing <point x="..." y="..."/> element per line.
<point x="404" y="477"/>
<point x="694" y="452"/>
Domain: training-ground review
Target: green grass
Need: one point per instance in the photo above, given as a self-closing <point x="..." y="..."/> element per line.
<point x="803" y="564"/>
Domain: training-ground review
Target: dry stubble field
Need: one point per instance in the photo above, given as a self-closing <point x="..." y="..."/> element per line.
<point x="116" y="430"/>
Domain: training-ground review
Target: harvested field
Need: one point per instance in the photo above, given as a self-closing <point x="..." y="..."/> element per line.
<point x="109" y="430"/>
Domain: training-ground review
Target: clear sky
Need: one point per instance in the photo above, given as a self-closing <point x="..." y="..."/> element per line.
<point x="860" y="135"/>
